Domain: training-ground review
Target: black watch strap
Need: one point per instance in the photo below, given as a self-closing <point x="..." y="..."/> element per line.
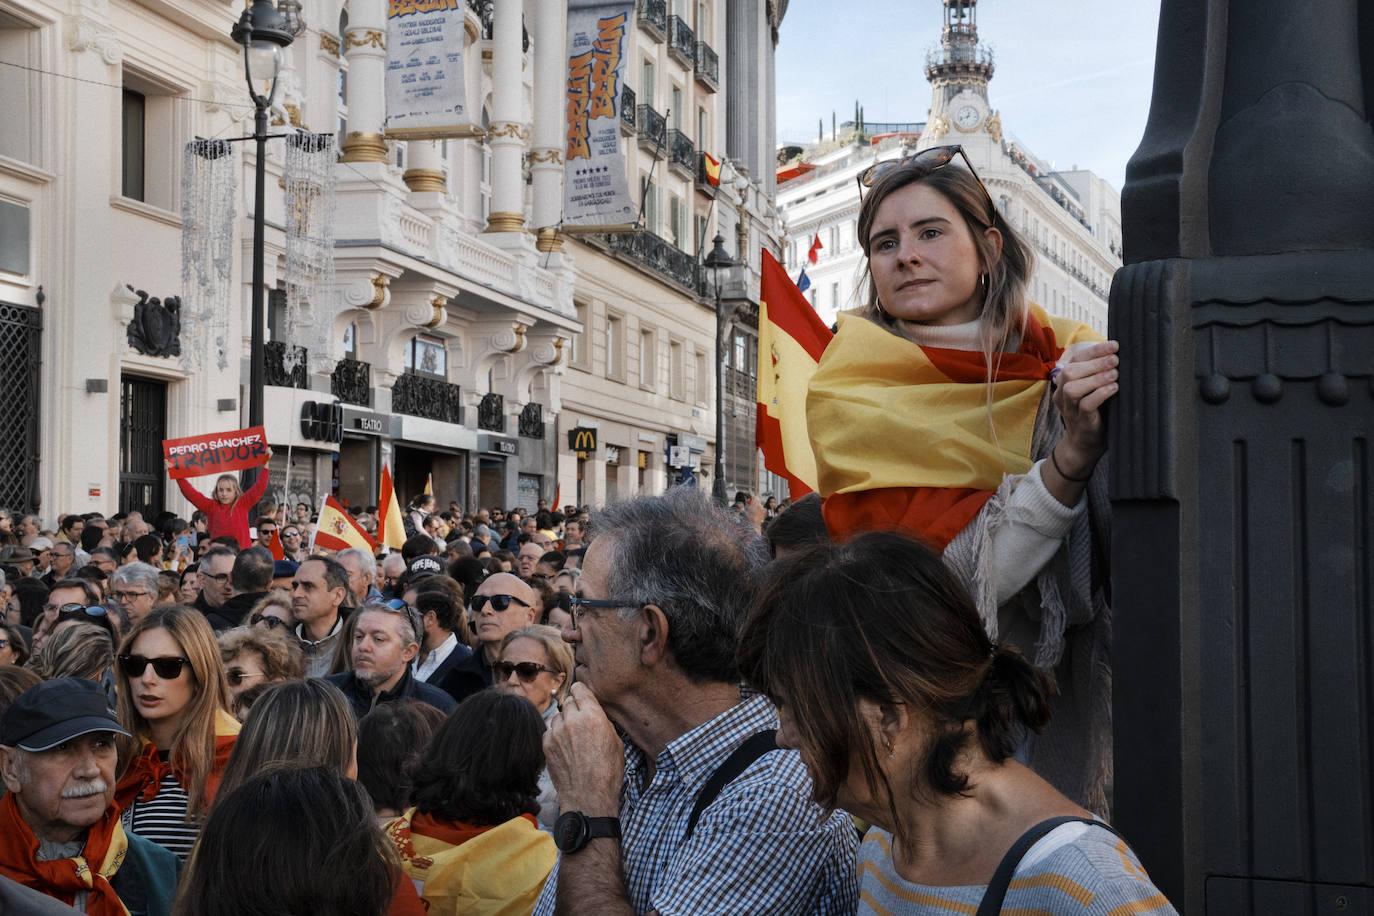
<point x="573" y="830"/>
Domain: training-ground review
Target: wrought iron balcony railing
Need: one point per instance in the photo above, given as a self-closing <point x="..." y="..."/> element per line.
<point x="653" y="17"/>
<point x="681" y="152"/>
<point x="491" y="413"/>
<point x="274" y="368"/>
<point x="422" y="396"/>
<point x="532" y="421"/>
<point x="708" y="66"/>
<point x="627" y="108"/>
<point x="653" y="127"/>
<point x="682" y="44"/>
<point x="659" y="255"/>
<point x="351" y="382"/>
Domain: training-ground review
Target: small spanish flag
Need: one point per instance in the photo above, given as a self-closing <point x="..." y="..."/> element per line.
<point x="337" y="530"/>
<point x="429" y="485"/>
<point x="274" y="545"/>
<point x="390" y="527"/>
<point x="712" y="169"/>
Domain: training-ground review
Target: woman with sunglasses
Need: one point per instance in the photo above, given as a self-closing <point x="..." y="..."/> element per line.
<point x="537" y="664"/>
<point x="174" y="699"/>
<point x="258" y="655"/>
<point x="951" y="408"/>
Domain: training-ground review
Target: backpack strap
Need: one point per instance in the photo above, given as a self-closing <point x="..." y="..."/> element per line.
<point x="997" y="889"/>
<point x="754" y="747"/>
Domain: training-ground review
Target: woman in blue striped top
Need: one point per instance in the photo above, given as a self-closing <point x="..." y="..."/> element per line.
<point x="907" y="716"/>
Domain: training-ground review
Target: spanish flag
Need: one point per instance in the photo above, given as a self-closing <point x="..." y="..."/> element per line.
<point x="792" y="338"/>
<point x="712" y="169"/>
<point x="391" y="530"/>
<point x="336" y="529"/>
<point x="429" y="485"/>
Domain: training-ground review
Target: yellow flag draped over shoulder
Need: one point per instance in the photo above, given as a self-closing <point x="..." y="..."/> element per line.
<point x="792" y="338"/>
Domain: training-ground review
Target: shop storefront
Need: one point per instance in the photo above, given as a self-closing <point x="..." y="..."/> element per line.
<point x="366" y="437"/>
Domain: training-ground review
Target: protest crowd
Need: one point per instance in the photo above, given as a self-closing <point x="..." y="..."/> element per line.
<point x="879" y="699"/>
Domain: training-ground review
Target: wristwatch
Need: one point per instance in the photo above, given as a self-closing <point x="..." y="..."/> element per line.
<point x="573" y="830"/>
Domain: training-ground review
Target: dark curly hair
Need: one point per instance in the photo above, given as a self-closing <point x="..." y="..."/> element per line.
<point x="482" y="766"/>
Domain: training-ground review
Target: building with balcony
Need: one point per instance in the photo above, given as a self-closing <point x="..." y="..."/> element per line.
<point x="468" y="335"/>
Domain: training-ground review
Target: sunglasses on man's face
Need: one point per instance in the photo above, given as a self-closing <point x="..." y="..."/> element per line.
<point x="498" y="602"/>
<point x="527" y="671"/>
<point x="167" y="667"/>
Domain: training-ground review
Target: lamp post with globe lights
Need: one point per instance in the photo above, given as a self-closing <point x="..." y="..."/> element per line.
<point x="716" y="259"/>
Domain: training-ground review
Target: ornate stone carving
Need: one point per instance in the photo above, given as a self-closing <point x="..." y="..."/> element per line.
<point x="993" y="125"/>
<point x="221" y="95"/>
<point x="532" y="421"/>
<point x="428" y="316"/>
<point x="510" y="341"/>
<point x="329" y="43"/>
<point x="548" y="353"/>
<point x="156" y="326"/>
<point x="85" y="34"/>
<point x="510" y="130"/>
<point x="364" y="38"/>
<point x="547" y="155"/>
<point x="937" y="128"/>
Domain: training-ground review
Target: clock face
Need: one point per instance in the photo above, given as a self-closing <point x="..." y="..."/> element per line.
<point x="966" y="118"/>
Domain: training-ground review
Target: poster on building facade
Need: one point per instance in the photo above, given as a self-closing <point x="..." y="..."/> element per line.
<point x="425" y="92"/>
<point x="595" y="191"/>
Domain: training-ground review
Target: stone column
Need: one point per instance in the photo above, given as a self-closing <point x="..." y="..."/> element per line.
<point x="1240" y="472"/>
<point x="546" y="156"/>
<point x="365" y="49"/>
<point x="508" y="133"/>
<point x="424" y="167"/>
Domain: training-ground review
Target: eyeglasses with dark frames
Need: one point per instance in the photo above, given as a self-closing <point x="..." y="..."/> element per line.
<point x="167" y="667"/>
<point x="576" y="606"/>
<point x="271" y="622"/>
<point x="498" y="602"/>
<point x="527" y="671"/>
<point x="933" y="159"/>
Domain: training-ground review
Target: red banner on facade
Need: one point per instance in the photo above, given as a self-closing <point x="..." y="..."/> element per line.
<point x="216" y="453"/>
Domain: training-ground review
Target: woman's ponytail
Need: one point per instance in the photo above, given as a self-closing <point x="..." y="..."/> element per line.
<point x="1013" y="698"/>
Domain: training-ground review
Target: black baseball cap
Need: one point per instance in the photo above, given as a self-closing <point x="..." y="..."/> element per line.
<point x="49" y="713"/>
<point x="422" y="567"/>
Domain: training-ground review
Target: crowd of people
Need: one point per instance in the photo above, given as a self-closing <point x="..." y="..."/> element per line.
<point x="886" y="697"/>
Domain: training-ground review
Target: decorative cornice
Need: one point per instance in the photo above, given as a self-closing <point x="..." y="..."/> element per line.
<point x="370" y="38"/>
<point x="85" y="34"/>
<point x="329" y="43"/>
<point x="509" y="129"/>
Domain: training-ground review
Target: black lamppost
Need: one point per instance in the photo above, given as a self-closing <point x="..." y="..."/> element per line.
<point x="263" y="32"/>
<point x="717" y="258"/>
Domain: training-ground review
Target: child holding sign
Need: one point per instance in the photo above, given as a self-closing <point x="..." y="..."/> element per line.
<point x="228" y="511"/>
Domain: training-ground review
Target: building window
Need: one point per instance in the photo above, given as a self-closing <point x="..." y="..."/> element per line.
<point x="677" y="107"/>
<point x="426" y="355"/>
<point x="133" y="143"/>
<point x="835" y="295"/>
<point x="647" y="352"/>
<point x="646" y="84"/>
<point x="648" y="192"/>
<point x="153" y="129"/>
<point x="615" y="347"/>
<point x="350" y="341"/>
<point x="676" y="369"/>
<point x="703" y="130"/>
<point x="834" y="239"/>
<point x="580" y="358"/>
<point x="19" y="86"/>
<point x="701" y="388"/>
<point x="677" y="222"/>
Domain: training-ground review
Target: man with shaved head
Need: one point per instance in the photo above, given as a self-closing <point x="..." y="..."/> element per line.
<point x="502" y="604"/>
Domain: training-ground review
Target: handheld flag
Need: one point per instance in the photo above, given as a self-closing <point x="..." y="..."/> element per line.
<point x="816" y="246"/>
<point x="429" y="484"/>
<point x="803" y="281"/>
<point x="793" y="337"/>
<point x="336" y="529"/>
<point x="712" y="169"/>
<point x="274" y="545"/>
<point x="391" y="530"/>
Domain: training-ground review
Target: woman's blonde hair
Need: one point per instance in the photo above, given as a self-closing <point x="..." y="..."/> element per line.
<point x="238" y="490"/>
<point x="1003" y="278"/>
<point x="282" y="658"/>
<point x="275" y="598"/>
<point x="193" y="745"/>
<point x="296" y="724"/>
<point x="81" y="650"/>
<point x="558" y="653"/>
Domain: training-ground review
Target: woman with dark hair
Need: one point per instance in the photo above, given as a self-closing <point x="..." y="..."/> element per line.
<point x="14" y="648"/>
<point x="471" y="843"/>
<point x="906" y="715"/>
<point x="149" y="550"/>
<point x="391" y="739"/>
<point x="951" y="408"/>
<point x="291" y="842"/>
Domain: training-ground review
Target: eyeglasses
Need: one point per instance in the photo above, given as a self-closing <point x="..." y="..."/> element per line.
<point x="78" y="611"/>
<point x="167" y="667"/>
<point x="290" y="534"/>
<point x="396" y="604"/>
<point x="527" y="671"/>
<point x="576" y="606"/>
<point x="498" y="602"/>
<point x="221" y="578"/>
<point x="272" y="622"/>
<point x="126" y="596"/>
<point x="933" y="159"/>
<point x="237" y="676"/>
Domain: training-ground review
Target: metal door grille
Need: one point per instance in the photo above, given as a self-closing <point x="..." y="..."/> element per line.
<point x="21" y="328"/>
<point x="142" y="427"/>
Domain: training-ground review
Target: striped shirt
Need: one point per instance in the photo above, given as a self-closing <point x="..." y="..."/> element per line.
<point x="163" y="819"/>
<point x="1074" y="870"/>
<point x="760" y="847"/>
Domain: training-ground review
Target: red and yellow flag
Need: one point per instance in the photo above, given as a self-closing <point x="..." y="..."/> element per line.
<point x="336" y="529"/>
<point x="712" y="169"/>
<point x="391" y="530"/>
<point x="792" y="338"/>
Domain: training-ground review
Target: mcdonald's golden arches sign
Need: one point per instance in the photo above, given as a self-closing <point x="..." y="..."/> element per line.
<point x="582" y="439"/>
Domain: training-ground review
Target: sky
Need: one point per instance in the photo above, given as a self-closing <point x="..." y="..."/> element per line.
<point x="1072" y="80"/>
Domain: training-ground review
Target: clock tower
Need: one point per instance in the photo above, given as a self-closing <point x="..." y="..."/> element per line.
<point x="959" y="71"/>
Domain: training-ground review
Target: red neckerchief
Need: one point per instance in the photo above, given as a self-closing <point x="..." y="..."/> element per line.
<point x="146" y="772"/>
<point x="64" y="878"/>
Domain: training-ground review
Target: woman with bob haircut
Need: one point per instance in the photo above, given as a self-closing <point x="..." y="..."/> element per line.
<point x="536" y="664"/>
<point x="906" y="715"/>
<point x="297" y="724"/>
<point x="227" y="512"/>
<point x="952" y="409"/>
<point x="174" y="699"/>
<point x="258" y="655"/>
<point x="291" y="842"/>
<point x="471" y="843"/>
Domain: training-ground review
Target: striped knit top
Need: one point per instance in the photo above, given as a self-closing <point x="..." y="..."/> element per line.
<point x="1075" y="870"/>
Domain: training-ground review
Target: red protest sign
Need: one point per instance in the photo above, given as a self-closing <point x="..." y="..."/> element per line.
<point x="216" y="453"/>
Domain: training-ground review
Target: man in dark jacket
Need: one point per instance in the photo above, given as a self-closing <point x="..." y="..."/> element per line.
<point x="385" y="642"/>
<point x="216" y="573"/>
<point x="249" y="580"/>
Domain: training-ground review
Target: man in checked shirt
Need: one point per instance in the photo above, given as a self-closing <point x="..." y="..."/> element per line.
<point x="656" y="709"/>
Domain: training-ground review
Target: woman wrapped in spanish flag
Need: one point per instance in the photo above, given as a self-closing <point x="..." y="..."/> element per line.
<point x="951" y="408"/>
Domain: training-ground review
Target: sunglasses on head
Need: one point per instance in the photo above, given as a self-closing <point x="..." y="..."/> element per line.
<point x="498" y="602"/>
<point x="933" y="159"/>
<point x="167" y="667"/>
<point x="527" y="671"/>
<point x="272" y="622"/>
<point x="79" y="611"/>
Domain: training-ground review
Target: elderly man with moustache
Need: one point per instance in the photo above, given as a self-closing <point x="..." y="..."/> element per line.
<point x="60" y="833"/>
<point x="385" y="642"/>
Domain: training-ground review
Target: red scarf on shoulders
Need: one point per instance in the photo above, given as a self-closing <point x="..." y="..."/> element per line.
<point x="147" y="770"/>
<point x="63" y="879"/>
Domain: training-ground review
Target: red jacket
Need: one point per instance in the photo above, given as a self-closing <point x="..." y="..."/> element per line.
<point x="231" y="519"/>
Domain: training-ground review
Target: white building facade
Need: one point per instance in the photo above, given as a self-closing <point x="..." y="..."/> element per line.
<point x="1072" y="219"/>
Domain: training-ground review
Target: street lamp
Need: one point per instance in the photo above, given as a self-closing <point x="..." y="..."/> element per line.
<point x="717" y="258"/>
<point x="264" y="33"/>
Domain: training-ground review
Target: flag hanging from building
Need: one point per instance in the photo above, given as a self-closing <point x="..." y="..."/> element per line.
<point x="792" y="338"/>
<point x="425" y="95"/>
<point x="391" y="531"/>
<point x="336" y="529"/>
<point x="712" y="169"/>
<point x="816" y="246"/>
<point x="803" y="281"/>
<point x="596" y="192"/>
